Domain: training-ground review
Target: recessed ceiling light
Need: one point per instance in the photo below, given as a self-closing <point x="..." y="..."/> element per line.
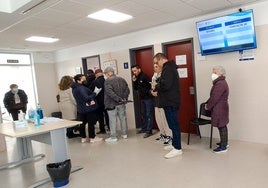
<point x="110" y="16"/>
<point x="42" y="39"/>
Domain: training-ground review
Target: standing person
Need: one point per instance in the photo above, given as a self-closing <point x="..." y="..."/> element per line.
<point x="86" y="108"/>
<point x="168" y="91"/>
<point x="218" y="104"/>
<point x="116" y="92"/>
<point x="89" y="78"/>
<point x="141" y="83"/>
<point x="160" y="117"/>
<point x="101" y="112"/>
<point x="15" y="100"/>
<point x="67" y="102"/>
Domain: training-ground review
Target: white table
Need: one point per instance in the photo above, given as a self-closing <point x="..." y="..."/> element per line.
<point x="52" y="133"/>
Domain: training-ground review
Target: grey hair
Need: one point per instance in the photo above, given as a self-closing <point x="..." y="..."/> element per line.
<point x="220" y="69"/>
<point x="109" y="69"/>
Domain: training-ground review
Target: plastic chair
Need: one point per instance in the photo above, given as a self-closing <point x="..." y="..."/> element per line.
<point x="204" y="118"/>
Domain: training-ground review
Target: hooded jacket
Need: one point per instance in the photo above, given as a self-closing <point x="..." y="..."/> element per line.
<point x="168" y="86"/>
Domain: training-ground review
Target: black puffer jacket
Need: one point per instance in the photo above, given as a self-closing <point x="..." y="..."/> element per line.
<point x="9" y="100"/>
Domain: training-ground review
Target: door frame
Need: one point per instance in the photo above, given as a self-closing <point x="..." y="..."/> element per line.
<point x="135" y="95"/>
<point x="164" y="50"/>
<point x="85" y="65"/>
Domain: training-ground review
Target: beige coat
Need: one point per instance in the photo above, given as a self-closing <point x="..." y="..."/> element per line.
<point x="67" y="104"/>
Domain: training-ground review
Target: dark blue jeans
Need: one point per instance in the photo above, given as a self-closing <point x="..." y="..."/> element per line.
<point x="173" y="123"/>
<point x="147" y="110"/>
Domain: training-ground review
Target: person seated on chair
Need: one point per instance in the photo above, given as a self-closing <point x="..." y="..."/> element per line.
<point x="218" y="104"/>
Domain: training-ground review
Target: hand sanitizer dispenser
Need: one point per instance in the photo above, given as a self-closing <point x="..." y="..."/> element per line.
<point x="21" y="116"/>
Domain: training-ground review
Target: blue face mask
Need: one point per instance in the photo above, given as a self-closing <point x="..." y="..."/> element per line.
<point x="15" y="90"/>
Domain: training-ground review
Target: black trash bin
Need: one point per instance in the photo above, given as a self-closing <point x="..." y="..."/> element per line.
<point x="56" y="114"/>
<point x="59" y="172"/>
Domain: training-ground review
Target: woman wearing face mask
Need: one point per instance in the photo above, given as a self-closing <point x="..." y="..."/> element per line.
<point x="15" y="100"/>
<point x="218" y="104"/>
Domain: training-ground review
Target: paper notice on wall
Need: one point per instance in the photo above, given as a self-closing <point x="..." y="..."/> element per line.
<point x="181" y="60"/>
<point x="183" y="72"/>
<point x="245" y="55"/>
<point x="110" y="63"/>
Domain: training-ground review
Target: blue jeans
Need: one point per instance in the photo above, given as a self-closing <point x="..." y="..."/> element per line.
<point x="119" y="111"/>
<point x="147" y="109"/>
<point x="173" y="123"/>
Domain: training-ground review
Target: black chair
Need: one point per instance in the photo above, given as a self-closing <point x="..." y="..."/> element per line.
<point x="204" y="118"/>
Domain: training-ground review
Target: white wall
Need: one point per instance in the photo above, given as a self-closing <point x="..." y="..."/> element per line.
<point x="46" y="81"/>
<point x="246" y="79"/>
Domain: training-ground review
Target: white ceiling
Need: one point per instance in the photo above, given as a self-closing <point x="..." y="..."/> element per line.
<point x="67" y="20"/>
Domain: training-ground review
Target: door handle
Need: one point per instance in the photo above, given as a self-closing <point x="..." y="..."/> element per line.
<point x="191" y="90"/>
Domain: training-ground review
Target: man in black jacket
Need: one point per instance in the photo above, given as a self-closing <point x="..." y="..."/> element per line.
<point x="101" y="112"/>
<point x="168" y="92"/>
<point x="15" y="100"/>
<point x="141" y="83"/>
<point x="89" y="78"/>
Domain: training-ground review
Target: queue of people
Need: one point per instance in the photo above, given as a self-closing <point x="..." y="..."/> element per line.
<point x="102" y="98"/>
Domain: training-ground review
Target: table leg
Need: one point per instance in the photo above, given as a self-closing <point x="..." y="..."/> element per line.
<point x="59" y="145"/>
<point x="25" y="154"/>
<point x="60" y="151"/>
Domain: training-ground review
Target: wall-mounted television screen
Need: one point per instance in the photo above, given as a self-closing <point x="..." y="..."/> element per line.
<point x="232" y="32"/>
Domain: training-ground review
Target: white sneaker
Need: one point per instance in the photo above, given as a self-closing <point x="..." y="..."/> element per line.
<point x="173" y="153"/>
<point x="84" y="140"/>
<point x="96" y="139"/>
<point x="110" y="139"/>
<point x="124" y="136"/>
<point x="168" y="147"/>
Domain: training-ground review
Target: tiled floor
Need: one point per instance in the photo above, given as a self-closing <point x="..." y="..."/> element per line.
<point x="139" y="163"/>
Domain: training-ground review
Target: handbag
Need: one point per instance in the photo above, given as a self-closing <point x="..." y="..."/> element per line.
<point x="91" y="105"/>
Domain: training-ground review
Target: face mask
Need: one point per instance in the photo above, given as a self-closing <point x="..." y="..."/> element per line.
<point x="84" y="82"/>
<point x="214" y="76"/>
<point x="15" y="90"/>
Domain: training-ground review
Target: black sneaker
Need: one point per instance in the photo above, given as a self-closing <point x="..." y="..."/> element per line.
<point x="161" y="137"/>
<point x="220" y="150"/>
<point x="219" y="144"/>
<point x="141" y="131"/>
<point x="168" y="140"/>
<point x="147" y="135"/>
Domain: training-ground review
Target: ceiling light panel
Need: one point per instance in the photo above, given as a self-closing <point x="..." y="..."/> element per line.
<point x="42" y="39"/>
<point x="110" y="16"/>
